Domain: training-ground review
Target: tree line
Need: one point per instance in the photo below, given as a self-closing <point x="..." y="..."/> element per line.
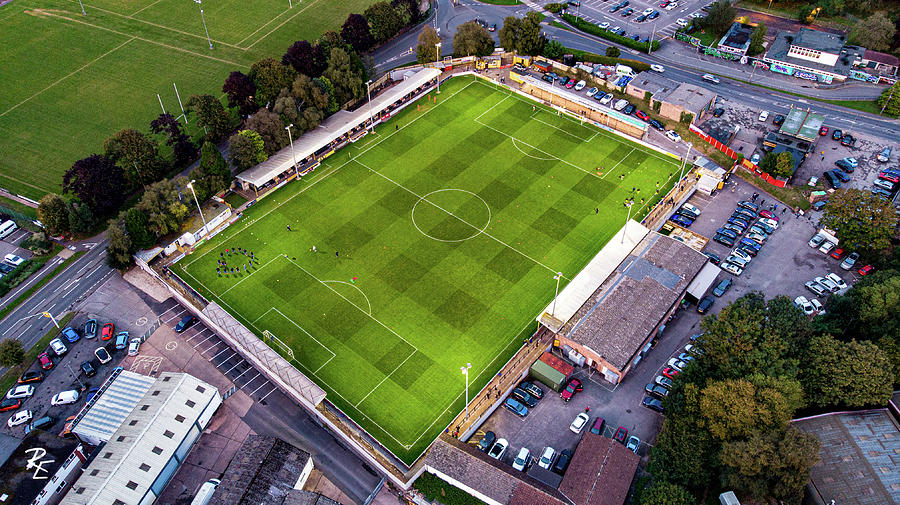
<point x="311" y="81"/>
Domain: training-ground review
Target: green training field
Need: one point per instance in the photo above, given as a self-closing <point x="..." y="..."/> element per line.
<point x="70" y="81"/>
<point x="449" y="232"/>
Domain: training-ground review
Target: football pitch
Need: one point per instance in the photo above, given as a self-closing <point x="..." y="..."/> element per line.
<point x="436" y="241"/>
<point x="70" y="80"/>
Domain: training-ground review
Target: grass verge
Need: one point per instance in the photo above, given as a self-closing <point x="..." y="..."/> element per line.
<point x="592" y="29"/>
<point x="39" y="284"/>
<point x="790" y="195"/>
<point x="19" y="207"/>
<point x="13" y="373"/>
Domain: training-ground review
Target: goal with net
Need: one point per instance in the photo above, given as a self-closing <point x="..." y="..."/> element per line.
<point x="277" y="344"/>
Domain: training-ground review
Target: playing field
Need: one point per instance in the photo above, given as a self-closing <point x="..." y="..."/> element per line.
<point x="436" y="246"/>
<point x="70" y="81"/>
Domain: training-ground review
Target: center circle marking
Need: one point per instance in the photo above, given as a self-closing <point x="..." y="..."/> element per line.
<point x="475" y="234"/>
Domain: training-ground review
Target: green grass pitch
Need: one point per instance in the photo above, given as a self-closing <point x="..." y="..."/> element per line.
<point x="449" y="232"/>
<point x="70" y="81"/>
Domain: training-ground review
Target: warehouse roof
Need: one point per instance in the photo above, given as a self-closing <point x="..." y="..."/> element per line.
<point x="263" y="472"/>
<point x="600" y="473"/>
<point x="21" y="481"/>
<point x="332" y="129"/>
<point x="658" y="85"/>
<point x="803" y="124"/>
<point x="118" y="396"/>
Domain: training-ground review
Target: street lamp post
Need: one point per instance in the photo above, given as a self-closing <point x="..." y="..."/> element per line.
<point x="202" y="218"/>
<point x="291" y="139"/>
<point x="558" y="276"/>
<point x="81" y="384"/>
<point x="465" y="371"/>
<point x="202" y="18"/>
<point x="437" y="52"/>
<point x="369" y="95"/>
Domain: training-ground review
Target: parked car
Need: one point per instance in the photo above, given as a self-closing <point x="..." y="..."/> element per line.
<point x="41" y="423"/>
<point x="562" y="461"/>
<point x="837" y="254"/>
<point x="121" y="340"/>
<point x="816" y="240"/>
<point x="532" y="389"/>
<point x="759" y="238"/>
<point x="779" y="120"/>
<point x="744" y="255"/>
<point x="826" y="247"/>
<point x="656" y="390"/>
<point x="10" y="404"/>
<point x="670" y="372"/>
<point x="681" y="220"/>
<point x="723" y="286"/>
<point x="655" y="14"/>
<point x="487" y="441"/>
<point x="45" y="361"/>
<point x="817" y="305"/>
<point x="633" y="444"/>
<point x="724" y="240"/>
<point x="580" y="85"/>
<point x="102" y="356"/>
<point x="836" y="279"/>
<point x="849" y="261"/>
<point x="516" y="407"/>
<point x="657" y="125"/>
<point x="58" y="347"/>
<point x="107" y="332"/>
<point x="574" y="386"/>
<point x="597" y="427"/>
<point x="18" y="418"/>
<point x="547" y="457"/>
<point x="23" y="391"/>
<point x="521" y="460"/>
<point x="592" y="91"/>
<point x="841" y="175"/>
<point x="90" y="328"/>
<point x="90" y="393"/>
<point x="823" y="131"/>
<point x="713" y="258"/>
<point x="803" y="304"/>
<point x="65" y="397"/>
<point x="498" y="449"/>
<point x="816" y="288"/>
<point x="735" y="260"/>
<point x="718" y="112"/>
<point x="652" y="403"/>
<point x="14" y="260"/>
<point x="866" y="270"/>
<point x="732" y="269"/>
<point x="763" y="115"/>
<point x="848" y="140"/>
<point x="31" y="376"/>
<point x="771" y="223"/>
<point x="87" y="368"/>
<point x="837" y="135"/>
<point x="827" y="284"/>
<point x="673" y="136"/>
<point x="728" y="233"/>
<point x="665" y="382"/>
<point x="621" y="434"/>
<point x="135" y="346"/>
<point x="70" y="334"/>
<point x="579" y="423"/>
<point x="524" y="397"/>
<point x="185" y="323"/>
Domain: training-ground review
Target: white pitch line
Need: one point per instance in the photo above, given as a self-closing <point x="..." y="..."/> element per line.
<point x="619" y="163"/>
<point x="386" y="377"/>
<point x="248" y="276"/>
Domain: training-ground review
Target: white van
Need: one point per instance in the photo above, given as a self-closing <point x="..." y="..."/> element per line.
<point x="65" y="397"/>
<point x="624" y="70"/>
<point x="6" y="228"/>
<point x="621" y="104"/>
<point x="205" y="494"/>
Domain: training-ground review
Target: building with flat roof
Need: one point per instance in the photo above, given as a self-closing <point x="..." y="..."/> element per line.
<point x="39" y="469"/>
<point x="802" y="124"/>
<point x="687" y="99"/>
<point x="859" y="461"/>
<point x="654" y="83"/>
<point x="812" y="55"/>
<point x="736" y="40"/>
<point x="115" y="400"/>
<point x="136" y="462"/>
<point x="600" y="473"/>
<point x="800" y="149"/>
<point x="264" y="471"/>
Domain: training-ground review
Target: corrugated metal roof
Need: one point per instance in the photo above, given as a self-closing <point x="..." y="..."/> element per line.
<point x="111" y="406"/>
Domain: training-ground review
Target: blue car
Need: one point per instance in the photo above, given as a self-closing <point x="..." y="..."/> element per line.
<point x="70" y="334"/>
<point x="683" y="221"/>
<point x="516" y="407"/>
<point x="746" y="242"/>
<point x="738" y="221"/>
<point x="724" y="240"/>
<point x="729" y="233"/>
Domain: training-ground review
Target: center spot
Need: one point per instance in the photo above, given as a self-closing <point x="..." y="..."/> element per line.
<point x="451" y="215"/>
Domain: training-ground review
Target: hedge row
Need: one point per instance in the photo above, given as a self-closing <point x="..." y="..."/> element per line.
<point x="593" y="29"/>
<point x="637" y="66"/>
<point x="555" y="7"/>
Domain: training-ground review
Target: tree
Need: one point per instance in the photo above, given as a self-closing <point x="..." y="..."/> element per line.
<point x="306" y="106"/>
<point x="356" y="33"/>
<point x="426" y="50"/>
<point x="332" y="40"/>
<point x="98" y="182"/>
<point x="531" y="39"/>
<point x="247" y="149"/>
<point x="770" y="464"/>
<point x="11" y="352"/>
<point x="305" y="58"/>
<point x="860" y="219"/>
<point x="137" y="154"/>
<point x="212" y="116"/>
<point x="757" y="39"/>
<point x="138" y="228"/>
<point x="783" y="166"/>
<point x="241" y="91"/>
<point x="119" y="247"/>
<point x="408" y="10"/>
<point x="472" y="39"/>
<point x="720" y="17"/>
<point x="384" y="20"/>
<point x="184" y="152"/>
<point x="846" y="374"/>
<point x="875" y="32"/>
<point x="53" y="213"/>
<point x="348" y="84"/>
<point x="270" y="77"/>
<point x="554" y="49"/>
<point x="162" y="204"/>
<point x="613" y="52"/>
<point x="212" y="173"/>
<point x="737" y="408"/>
<point x="81" y="218"/>
<point x="889" y="101"/>
<point x="509" y="33"/>
<point x="270" y="127"/>
<point x="666" y="493"/>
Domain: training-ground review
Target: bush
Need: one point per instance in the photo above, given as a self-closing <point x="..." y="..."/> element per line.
<point x="11" y="352"/>
<point x="613" y="52"/>
<point x="637" y="66"/>
<point x="18" y="275"/>
<point x="436" y="489"/>
<point x="38" y="243"/>
<point x="593" y="29"/>
<point x="554" y="7"/>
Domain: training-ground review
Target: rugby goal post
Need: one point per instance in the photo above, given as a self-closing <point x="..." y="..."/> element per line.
<point x="277" y="344"/>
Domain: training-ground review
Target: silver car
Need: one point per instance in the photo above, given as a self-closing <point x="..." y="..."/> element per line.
<point x="741" y="262"/>
<point x="816" y="288"/>
<point x="732" y="268"/>
<point x="740" y="253"/>
<point x="827" y="284"/>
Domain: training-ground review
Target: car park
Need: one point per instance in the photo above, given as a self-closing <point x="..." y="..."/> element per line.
<point x="547" y="458"/>
<point x="107" y="332"/>
<point x="524" y="397"/>
<point x="656" y="390"/>
<point x="18" y="418"/>
<point x="803" y="304"/>
<point x="652" y="403"/>
<point x="134" y="347"/>
<point x="21" y="392"/>
<point x="58" y="347"/>
<point x="487" y="441"/>
<point x="723" y="286"/>
<point x="10" y="404"/>
<point x="633" y="444"/>
<point x="574" y="386"/>
<point x="521" y="460"/>
<point x="102" y="355"/>
<point x="816" y="288"/>
<point x="87" y="368"/>
<point x="621" y="434"/>
<point x="836" y="279"/>
<point x="65" y="397"/>
<point x="579" y="423"/>
<point x="562" y="461"/>
<point x="31" y="376"/>
<point x="732" y="268"/>
<point x="498" y="449"/>
<point x="516" y="407"/>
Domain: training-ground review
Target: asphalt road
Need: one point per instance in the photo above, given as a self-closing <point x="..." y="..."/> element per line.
<point x="83" y="275"/>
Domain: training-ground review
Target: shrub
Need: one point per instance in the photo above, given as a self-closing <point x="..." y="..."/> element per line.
<point x="554" y="7"/>
<point x="593" y="29"/>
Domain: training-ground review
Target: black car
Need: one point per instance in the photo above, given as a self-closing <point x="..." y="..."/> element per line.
<point x="562" y="462"/>
<point x="6" y="268"/>
<point x="844" y="165"/>
<point x="705" y="303"/>
<point x="727" y="233"/>
<point x="837" y="134"/>
<point x="90" y="328"/>
<point x="747" y="212"/>
<point x="722" y="287"/>
<point x="748" y="205"/>
<point x="88" y="369"/>
<point x="524" y="397"/>
<point x="713" y="258"/>
<point x="532" y="389"/>
<point x="749" y="250"/>
<point x="548" y="78"/>
<point x="31" y="376"/>
<point x="724" y="240"/>
<point x="185" y="323"/>
<point x="627" y="12"/>
<point x="652" y="403"/>
<point x="840" y="174"/>
<point x="718" y="112"/>
<point x="641" y="18"/>
<point x="656" y="124"/>
<point x="10" y="404"/>
<point x="614" y="8"/>
<point x="656" y="390"/>
<point x="629" y="109"/>
<point x="779" y="120"/>
<point x="833" y="181"/>
<point x="487" y="441"/>
<point x="847" y="140"/>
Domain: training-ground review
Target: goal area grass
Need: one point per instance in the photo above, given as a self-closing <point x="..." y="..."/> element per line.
<point x="436" y="242"/>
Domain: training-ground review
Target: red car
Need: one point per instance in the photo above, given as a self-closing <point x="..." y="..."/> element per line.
<point x="823" y="131"/>
<point x="621" y="434"/>
<point x="640" y="114"/>
<point x="888" y="177"/>
<point x="573" y="387"/>
<point x="768" y="214"/>
<point x="46" y="362"/>
<point x="570" y="84"/>
<point x="107" y="332"/>
<point x="837" y="253"/>
<point x="866" y="270"/>
<point x="665" y="3"/>
<point x="10" y="404"/>
<point x="670" y="372"/>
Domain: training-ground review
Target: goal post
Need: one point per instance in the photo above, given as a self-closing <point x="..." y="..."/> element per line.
<point x="276" y="343"/>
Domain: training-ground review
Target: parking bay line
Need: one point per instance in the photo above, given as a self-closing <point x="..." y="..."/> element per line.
<point x="267" y="394"/>
<point x="211" y="335"/>
<point x="233" y="367"/>
<point x="249" y="381"/>
<point x="220" y="352"/>
<point x="260" y="387"/>
<point x="214" y="346"/>
<point x="242" y="373"/>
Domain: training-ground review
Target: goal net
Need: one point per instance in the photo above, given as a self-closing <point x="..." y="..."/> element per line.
<point x="277" y="344"/>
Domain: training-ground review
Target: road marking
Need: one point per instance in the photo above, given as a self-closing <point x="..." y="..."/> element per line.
<point x="220" y="352"/>
<point x="233" y="367"/>
<point x="204" y="340"/>
<point x="267" y="394"/>
<point x="213" y="347"/>
<point x="260" y="387"/>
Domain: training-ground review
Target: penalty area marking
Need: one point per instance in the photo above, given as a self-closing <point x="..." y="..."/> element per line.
<point x="516" y="145"/>
<point x="357" y="288"/>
